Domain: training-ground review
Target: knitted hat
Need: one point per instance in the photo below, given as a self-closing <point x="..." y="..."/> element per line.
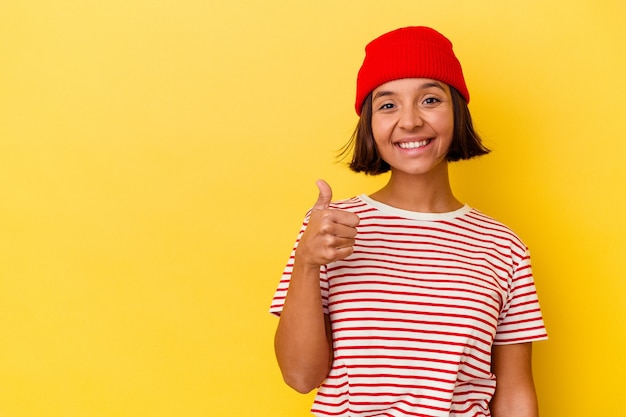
<point x="409" y="52"/>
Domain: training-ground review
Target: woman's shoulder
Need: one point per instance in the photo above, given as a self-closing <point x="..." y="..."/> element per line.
<point x="492" y="226"/>
<point x="353" y="204"/>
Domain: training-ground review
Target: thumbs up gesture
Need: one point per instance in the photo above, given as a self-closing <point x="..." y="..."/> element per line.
<point x="330" y="233"/>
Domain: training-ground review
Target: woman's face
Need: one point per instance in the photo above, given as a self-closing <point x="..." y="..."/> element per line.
<point x="413" y="123"/>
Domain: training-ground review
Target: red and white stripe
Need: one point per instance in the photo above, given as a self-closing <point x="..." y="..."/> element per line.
<point x="416" y="309"/>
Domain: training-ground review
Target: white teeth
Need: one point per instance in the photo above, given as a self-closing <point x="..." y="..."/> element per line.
<point x="412" y="145"/>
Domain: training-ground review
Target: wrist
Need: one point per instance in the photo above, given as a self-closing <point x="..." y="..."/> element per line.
<point x="304" y="268"/>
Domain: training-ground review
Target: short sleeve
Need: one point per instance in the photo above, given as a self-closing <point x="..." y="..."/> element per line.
<point x="520" y="319"/>
<point x="278" y="301"/>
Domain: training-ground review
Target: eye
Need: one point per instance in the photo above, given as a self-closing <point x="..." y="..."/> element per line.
<point x="386" y="106"/>
<point x="431" y="100"/>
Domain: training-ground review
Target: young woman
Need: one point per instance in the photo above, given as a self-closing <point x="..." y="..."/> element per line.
<point x="408" y="302"/>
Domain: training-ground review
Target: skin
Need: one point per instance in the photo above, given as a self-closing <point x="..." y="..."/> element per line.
<point x="303" y="342"/>
<point x="412" y="123"/>
<point x="515" y="393"/>
<point x="417" y="111"/>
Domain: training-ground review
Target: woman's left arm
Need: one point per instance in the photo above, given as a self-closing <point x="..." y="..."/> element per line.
<point x="515" y="390"/>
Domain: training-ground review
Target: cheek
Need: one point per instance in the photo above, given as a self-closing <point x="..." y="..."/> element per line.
<point x="445" y="128"/>
<point x="381" y="132"/>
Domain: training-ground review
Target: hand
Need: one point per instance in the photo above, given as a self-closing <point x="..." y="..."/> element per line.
<point x="330" y="233"/>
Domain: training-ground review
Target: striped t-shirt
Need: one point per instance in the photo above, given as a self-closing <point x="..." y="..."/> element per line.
<point x="416" y="309"/>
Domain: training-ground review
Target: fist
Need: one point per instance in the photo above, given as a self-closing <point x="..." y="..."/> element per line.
<point x="330" y="233"/>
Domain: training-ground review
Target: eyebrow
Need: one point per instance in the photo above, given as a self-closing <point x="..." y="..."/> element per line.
<point x="424" y="86"/>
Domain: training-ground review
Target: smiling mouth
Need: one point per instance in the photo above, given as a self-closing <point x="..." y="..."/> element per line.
<point x="413" y="145"/>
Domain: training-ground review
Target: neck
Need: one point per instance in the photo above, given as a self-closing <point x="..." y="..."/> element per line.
<point x="427" y="193"/>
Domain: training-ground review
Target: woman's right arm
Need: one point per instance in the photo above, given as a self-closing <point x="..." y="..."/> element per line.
<point x="303" y="341"/>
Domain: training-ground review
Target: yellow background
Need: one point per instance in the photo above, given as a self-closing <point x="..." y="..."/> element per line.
<point x="157" y="157"/>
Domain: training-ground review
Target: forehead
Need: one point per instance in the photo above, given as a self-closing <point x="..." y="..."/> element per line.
<point x="411" y="85"/>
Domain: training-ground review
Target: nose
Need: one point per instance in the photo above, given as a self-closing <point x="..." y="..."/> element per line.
<point x="410" y="118"/>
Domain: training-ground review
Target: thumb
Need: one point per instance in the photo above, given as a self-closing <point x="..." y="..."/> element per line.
<point x="325" y="196"/>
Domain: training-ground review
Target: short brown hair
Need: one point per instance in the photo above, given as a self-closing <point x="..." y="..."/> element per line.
<point x="466" y="143"/>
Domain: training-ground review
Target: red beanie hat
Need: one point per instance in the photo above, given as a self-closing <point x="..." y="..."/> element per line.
<point x="410" y="52"/>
